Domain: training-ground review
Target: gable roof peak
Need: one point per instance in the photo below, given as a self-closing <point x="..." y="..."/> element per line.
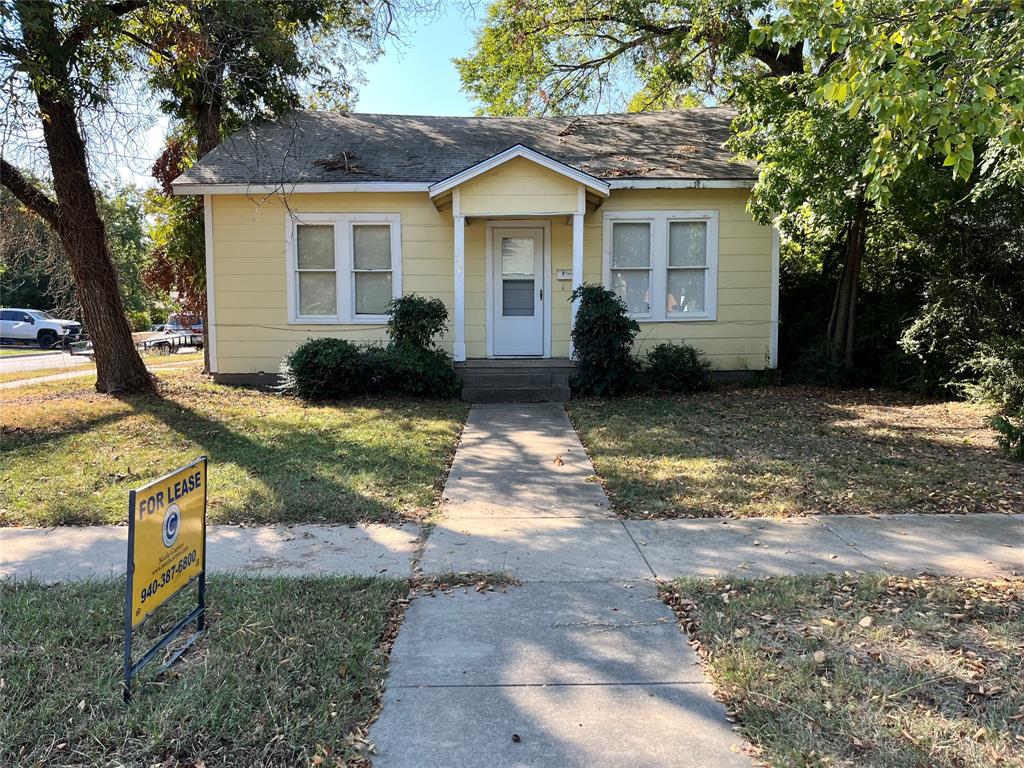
<point x="519" y="151"/>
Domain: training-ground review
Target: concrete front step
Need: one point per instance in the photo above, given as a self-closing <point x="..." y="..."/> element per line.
<point x="515" y="362"/>
<point x="515" y="394"/>
<point x="514" y="378"/>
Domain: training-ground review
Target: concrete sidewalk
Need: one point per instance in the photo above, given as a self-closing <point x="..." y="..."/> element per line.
<point x="583" y="547"/>
<point x="94" y="552"/>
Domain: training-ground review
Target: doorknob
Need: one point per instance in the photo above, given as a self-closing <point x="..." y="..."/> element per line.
<point x="542" y="294"/>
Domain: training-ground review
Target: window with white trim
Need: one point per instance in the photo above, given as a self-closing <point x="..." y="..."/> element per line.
<point x="343" y="268"/>
<point x="663" y="264"/>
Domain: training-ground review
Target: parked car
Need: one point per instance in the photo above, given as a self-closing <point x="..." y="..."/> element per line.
<point x="38" y="326"/>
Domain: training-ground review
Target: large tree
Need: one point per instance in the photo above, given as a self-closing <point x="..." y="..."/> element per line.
<point x="58" y="61"/>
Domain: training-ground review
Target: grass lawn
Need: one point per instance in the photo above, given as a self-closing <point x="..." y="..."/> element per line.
<point x="69" y="455"/>
<point x="151" y="360"/>
<point x="277" y="680"/>
<point x="759" y="452"/>
<point x="15" y="351"/>
<point x="866" y="672"/>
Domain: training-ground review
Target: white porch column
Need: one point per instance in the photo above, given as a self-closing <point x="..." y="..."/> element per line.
<point x="459" y="345"/>
<point x="577" y="263"/>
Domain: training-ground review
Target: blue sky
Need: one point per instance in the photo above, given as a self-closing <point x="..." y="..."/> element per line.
<point x="416" y="76"/>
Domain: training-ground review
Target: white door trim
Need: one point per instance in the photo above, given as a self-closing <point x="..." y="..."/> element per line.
<point x="489" y="226"/>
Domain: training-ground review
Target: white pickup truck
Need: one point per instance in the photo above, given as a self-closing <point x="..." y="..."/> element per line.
<point x="36" y="326"/>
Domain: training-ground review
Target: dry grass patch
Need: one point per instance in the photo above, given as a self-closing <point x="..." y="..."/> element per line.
<point x="70" y="455"/>
<point x="791" y="451"/>
<point x="289" y="673"/>
<point x="866" y="672"/>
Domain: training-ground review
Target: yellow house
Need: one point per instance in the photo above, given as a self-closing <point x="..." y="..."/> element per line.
<point x="316" y="221"/>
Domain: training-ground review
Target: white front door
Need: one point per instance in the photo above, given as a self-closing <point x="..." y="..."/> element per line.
<point x="517" y="296"/>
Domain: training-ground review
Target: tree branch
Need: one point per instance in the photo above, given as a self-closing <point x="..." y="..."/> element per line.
<point x="85" y="27"/>
<point x="28" y="193"/>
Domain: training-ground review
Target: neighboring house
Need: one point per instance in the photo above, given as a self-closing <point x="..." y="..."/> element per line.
<point x="314" y="222"/>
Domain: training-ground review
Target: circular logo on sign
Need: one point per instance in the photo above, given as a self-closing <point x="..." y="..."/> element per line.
<point x="172" y="524"/>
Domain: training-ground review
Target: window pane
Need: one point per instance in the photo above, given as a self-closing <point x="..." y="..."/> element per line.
<point x="517" y="256"/>
<point x="517" y="298"/>
<point x="371" y="246"/>
<point x="373" y="292"/>
<point x="316" y="246"/>
<point x="634" y="287"/>
<point x="686" y="290"/>
<point x="631" y="245"/>
<point x="318" y="293"/>
<point x="687" y="244"/>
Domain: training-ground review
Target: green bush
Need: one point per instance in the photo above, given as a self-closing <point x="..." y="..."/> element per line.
<point x="418" y="372"/>
<point x="997" y="374"/>
<point x="139" y="320"/>
<point x="331" y="369"/>
<point x="676" y="368"/>
<point x="416" y="320"/>
<point x="602" y="340"/>
<point x="326" y="369"/>
<point x="1011" y="434"/>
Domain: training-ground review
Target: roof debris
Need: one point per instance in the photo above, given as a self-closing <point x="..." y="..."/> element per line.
<point x="346" y="163"/>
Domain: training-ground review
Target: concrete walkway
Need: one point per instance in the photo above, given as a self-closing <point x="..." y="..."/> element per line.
<point x="582" y="664"/>
<point x="588" y="669"/>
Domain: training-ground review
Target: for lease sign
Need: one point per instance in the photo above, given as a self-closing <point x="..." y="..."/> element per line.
<point x="166" y="537"/>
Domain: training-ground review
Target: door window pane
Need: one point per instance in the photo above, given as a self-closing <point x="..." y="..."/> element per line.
<point x="686" y="290"/>
<point x="687" y="244"/>
<point x="371" y="246"/>
<point x="318" y="293"/>
<point x="634" y="287"/>
<point x="517" y="256"/>
<point x="315" y="246"/>
<point x="517" y="298"/>
<point x="373" y="292"/>
<point x="631" y="245"/>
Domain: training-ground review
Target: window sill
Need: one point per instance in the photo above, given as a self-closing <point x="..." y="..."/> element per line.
<point x="686" y="319"/>
<point x="376" y="320"/>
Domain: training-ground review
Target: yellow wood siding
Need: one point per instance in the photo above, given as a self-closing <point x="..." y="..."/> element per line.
<point x="740" y="336"/>
<point x="252" y="328"/>
<point x="516" y="188"/>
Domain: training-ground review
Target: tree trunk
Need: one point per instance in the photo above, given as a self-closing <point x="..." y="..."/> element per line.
<point x="83" y="235"/>
<point x="842" y="323"/>
<point x="78" y="224"/>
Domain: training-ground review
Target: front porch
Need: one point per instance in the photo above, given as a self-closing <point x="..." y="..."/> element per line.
<point x="519" y="221"/>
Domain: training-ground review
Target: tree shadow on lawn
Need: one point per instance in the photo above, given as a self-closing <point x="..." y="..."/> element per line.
<point x="301" y="472"/>
<point x="751" y="453"/>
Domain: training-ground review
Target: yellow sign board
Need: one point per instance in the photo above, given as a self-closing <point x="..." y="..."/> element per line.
<point x="166" y="538"/>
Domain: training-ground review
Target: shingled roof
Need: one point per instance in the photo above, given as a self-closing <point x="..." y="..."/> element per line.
<point x="326" y="147"/>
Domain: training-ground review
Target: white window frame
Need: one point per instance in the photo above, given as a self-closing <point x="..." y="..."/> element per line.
<point x="343" y="264"/>
<point x="659" y="222"/>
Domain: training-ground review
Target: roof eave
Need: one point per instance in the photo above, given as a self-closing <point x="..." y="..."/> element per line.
<point x="287" y="188"/>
